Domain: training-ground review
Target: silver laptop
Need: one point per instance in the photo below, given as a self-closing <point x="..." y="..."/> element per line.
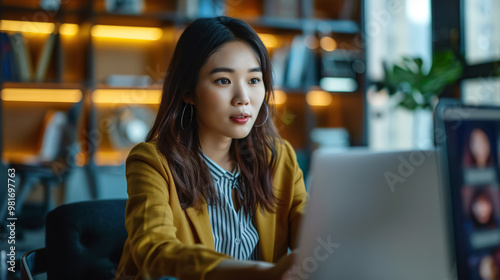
<point x="375" y="215"/>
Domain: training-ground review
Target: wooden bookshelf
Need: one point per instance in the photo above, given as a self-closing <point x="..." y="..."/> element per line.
<point x="84" y="61"/>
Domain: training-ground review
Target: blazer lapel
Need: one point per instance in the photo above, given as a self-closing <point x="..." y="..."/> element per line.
<point x="266" y="227"/>
<point x="201" y="223"/>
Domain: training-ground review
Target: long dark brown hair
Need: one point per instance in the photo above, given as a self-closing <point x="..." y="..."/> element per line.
<point x="255" y="154"/>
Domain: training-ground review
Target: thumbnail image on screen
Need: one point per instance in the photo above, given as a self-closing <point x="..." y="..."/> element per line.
<point x="475" y="176"/>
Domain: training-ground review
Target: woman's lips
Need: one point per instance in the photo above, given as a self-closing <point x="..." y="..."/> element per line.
<point x="242" y="119"/>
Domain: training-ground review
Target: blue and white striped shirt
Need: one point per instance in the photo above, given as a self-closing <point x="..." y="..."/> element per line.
<point x="234" y="232"/>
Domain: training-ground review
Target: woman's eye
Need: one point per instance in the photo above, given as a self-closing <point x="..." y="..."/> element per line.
<point x="222" y="81"/>
<point x="254" y="80"/>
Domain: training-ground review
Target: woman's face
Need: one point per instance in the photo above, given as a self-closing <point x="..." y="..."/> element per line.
<point x="488" y="269"/>
<point x="482" y="209"/>
<point x="229" y="93"/>
<point x="480" y="146"/>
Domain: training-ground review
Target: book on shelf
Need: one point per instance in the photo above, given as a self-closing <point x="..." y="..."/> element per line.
<point x="51" y="5"/>
<point x="17" y="64"/>
<point x="44" y="59"/>
<point x="187" y="8"/>
<point x="348" y="10"/>
<point x="282" y="8"/>
<point x="297" y="62"/>
<point x="22" y="57"/>
<point x="8" y="59"/>
<point x="200" y="8"/>
<point x="132" y="7"/>
<point x="294" y="65"/>
<point x="279" y="62"/>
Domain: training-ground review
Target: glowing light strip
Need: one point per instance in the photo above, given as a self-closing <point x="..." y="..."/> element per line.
<point x="22" y="157"/>
<point x="127" y="32"/>
<point x="38" y="27"/>
<point x="110" y="157"/>
<point x="27" y="26"/>
<point x="69" y="29"/>
<point x="269" y="40"/>
<point x="318" y="98"/>
<point x="279" y="97"/>
<point x="41" y="95"/>
<point x="127" y="96"/>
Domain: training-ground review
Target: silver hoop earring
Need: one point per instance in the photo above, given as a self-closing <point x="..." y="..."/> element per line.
<point x="182" y="116"/>
<point x="267" y="116"/>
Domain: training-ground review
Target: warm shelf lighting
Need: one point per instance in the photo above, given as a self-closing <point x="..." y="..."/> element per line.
<point x="19" y="157"/>
<point x="127" y="32"/>
<point x="328" y="44"/>
<point x="127" y="96"/>
<point x="279" y="97"/>
<point x="110" y="157"/>
<point x="27" y="26"/>
<point x="41" y="95"/>
<point x="318" y="98"/>
<point x="69" y="29"/>
<point x="269" y="40"/>
<point x="37" y="27"/>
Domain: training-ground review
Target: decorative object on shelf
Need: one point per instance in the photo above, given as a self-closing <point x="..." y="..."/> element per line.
<point x="402" y="104"/>
<point x="133" y="7"/>
<point x="52" y="137"/>
<point x="283" y="8"/>
<point x="51" y="5"/>
<point x="129" y="81"/>
<point x="338" y="71"/>
<point x="129" y="126"/>
<point x="200" y="8"/>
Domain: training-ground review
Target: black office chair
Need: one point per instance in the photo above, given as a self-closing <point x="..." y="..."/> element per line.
<point x="83" y="240"/>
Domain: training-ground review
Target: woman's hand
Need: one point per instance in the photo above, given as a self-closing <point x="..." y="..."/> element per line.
<point x="282" y="269"/>
<point x="242" y="270"/>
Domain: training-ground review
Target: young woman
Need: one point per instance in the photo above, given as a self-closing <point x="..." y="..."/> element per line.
<point x="214" y="193"/>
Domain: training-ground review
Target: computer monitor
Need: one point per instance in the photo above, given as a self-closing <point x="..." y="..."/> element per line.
<point x="374" y="215"/>
<point x="468" y="138"/>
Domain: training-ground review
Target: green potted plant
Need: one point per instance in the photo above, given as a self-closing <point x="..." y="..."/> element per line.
<point x="417" y="87"/>
<point x="413" y="91"/>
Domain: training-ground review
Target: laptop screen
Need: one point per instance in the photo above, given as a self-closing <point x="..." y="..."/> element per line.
<point x="472" y="145"/>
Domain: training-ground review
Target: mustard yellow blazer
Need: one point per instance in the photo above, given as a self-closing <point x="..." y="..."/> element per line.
<point x="165" y="240"/>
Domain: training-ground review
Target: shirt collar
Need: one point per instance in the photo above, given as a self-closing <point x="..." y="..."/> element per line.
<point x="219" y="172"/>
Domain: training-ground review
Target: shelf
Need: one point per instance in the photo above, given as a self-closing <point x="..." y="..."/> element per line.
<point x="292" y="24"/>
<point x="112" y="96"/>
<point x="160" y="16"/>
<point x="46" y="95"/>
<point x="110" y="157"/>
<point x="336" y="26"/>
<point x="42" y="85"/>
<point x="21" y="157"/>
<point x="87" y="61"/>
<point x="65" y="12"/>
